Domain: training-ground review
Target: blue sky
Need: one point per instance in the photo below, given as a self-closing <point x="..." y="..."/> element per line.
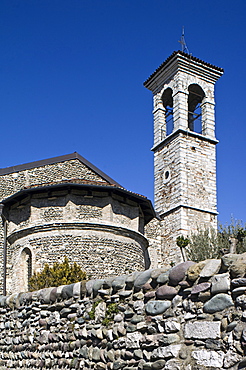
<point x="72" y="73"/>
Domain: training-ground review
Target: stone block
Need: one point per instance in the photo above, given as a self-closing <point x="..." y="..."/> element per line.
<point x="166" y="292"/>
<point x="208" y="358"/>
<point x="133" y="340"/>
<point x="172" y="326"/>
<point x="173" y="365"/>
<point x="202" y="330"/>
<point x="100" y="312"/>
<point x="119" y="282"/>
<point x="218" y="303"/>
<point x="193" y="271"/>
<point x="178" y="272"/>
<point x="157" y="307"/>
<point x="238" y="267"/>
<point x="76" y="290"/>
<point x="142" y="278"/>
<point x="166" y="352"/>
<point x="220" y="283"/>
<point x="67" y="291"/>
<point x="200" y="287"/>
<point x="211" y="268"/>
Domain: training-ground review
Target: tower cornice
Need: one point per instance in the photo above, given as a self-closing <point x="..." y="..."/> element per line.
<point x="179" y="61"/>
<point x="174" y="209"/>
<point x="172" y="136"/>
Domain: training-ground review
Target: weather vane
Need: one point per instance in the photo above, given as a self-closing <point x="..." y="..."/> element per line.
<point x="184" y="47"/>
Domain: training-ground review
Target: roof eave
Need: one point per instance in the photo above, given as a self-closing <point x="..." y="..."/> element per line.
<point x="145" y="203"/>
<point x="178" y="59"/>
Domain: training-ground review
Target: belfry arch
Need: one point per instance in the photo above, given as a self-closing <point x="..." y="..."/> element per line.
<point x="167" y="100"/>
<point x="195" y="99"/>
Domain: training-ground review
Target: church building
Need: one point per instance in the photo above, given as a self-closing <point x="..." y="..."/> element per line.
<point x="65" y="206"/>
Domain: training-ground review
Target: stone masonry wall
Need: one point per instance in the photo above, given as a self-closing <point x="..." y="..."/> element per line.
<point x="200" y="166"/>
<point x="191" y="317"/>
<point x="185" y="174"/>
<point x="13" y="182"/>
<point x="185" y="192"/>
<point x="16" y="181"/>
<point x="152" y="232"/>
<point x="100" y="233"/>
<point x="162" y="234"/>
<point x="99" y="253"/>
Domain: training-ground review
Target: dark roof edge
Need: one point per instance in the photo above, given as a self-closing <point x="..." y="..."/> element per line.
<point x="148" y="209"/>
<point x="185" y="55"/>
<point x="96" y="169"/>
<point x="62" y="158"/>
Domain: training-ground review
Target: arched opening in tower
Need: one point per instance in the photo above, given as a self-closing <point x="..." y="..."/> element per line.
<point x="167" y="99"/>
<point x="195" y="98"/>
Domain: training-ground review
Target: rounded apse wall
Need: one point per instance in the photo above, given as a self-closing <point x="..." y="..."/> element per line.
<point x="100" y="233"/>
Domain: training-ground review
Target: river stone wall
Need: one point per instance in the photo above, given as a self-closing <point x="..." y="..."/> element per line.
<point x="190" y="317"/>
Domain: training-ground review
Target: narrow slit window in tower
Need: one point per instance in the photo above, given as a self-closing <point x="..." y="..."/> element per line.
<point x="26" y="266"/>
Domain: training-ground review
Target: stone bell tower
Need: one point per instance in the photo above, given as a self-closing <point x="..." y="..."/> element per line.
<point x="184" y="148"/>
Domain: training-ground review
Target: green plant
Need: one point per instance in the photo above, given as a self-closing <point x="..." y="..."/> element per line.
<point x="91" y="313"/>
<point x="182" y="242"/>
<point x="235" y="233"/>
<point x="59" y="274"/>
<point x="208" y="243"/>
<point x="203" y="245"/>
<point x="111" y="310"/>
<point x="241" y="241"/>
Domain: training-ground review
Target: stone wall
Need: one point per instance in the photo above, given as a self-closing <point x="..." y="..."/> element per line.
<point x="99" y="253"/>
<point x="162" y="234"/>
<point x="98" y="230"/>
<point x="70" y="169"/>
<point x="152" y="232"/>
<point x="12" y="182"/>
<point x="191" y="317"/>
<point x="199" y="160"/>
<point x="185" y="174"/>
<point x="185" y="191"/>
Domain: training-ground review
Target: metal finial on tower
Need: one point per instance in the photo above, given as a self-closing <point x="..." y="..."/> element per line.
<point x="184" y="47"/>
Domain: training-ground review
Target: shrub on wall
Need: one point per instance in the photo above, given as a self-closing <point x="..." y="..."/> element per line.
<point x="203" y="245"/>
<point x="207" y="243"/>
<point x="59" y="274"/>
<point x="235" y="233"/>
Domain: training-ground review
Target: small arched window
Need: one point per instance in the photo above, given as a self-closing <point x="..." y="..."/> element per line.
<point x="25" y="268"/>
<point x="167" y="99"/>
<point x="195" y="98"/>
